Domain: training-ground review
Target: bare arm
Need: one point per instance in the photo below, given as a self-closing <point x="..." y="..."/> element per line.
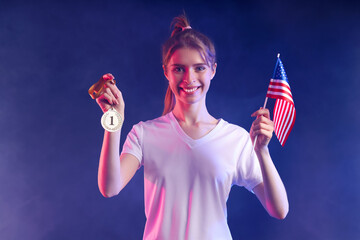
<point x="271" y="192"/>
<point x="113" y="173"/>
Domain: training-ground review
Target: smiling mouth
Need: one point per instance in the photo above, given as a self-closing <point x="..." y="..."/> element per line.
<point x="190" y="90"/>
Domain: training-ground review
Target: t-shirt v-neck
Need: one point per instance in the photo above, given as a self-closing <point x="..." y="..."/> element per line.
<point x="189" y="140"/>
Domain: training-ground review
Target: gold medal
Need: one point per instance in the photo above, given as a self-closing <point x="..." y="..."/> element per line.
<point x="111" y="120"/>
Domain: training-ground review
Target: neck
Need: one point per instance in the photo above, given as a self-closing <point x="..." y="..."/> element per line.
<point x="192" y="113"/>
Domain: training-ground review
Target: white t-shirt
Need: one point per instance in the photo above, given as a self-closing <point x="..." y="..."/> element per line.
<point x="187" y="182"/>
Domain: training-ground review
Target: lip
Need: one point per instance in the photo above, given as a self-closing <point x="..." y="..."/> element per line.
<point x="189" y="90"/>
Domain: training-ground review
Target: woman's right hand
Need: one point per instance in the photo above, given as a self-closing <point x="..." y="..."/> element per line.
<point x="111" y="96"/>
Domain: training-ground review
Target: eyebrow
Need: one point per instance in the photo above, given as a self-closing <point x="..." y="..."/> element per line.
<point x="181" y="65"/>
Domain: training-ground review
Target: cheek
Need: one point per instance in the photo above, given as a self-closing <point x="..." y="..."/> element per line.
<point x="207" y="78"/>
<point x="174" y="79"/>
<point x="173" y="85"/>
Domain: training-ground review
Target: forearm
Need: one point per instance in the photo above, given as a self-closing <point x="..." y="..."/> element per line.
<point x="276" y="201"/>
<point x="109" y="177"/>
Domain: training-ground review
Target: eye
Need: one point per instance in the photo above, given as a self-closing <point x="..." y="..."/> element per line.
<point x="178" y="69"/>
<point x="200" y="68"/>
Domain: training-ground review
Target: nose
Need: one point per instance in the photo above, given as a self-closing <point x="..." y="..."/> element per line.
<point x="189" y="77"/>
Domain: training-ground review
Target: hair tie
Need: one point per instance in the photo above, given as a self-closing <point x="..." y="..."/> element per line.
<point x="184" y="28"/>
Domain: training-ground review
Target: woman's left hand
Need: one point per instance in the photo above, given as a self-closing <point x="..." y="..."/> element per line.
<point x="262" y="127"/>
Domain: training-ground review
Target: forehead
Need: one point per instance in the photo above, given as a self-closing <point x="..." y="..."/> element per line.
<point x="186" y="56"/>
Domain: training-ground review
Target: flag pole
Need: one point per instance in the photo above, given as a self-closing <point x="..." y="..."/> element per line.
<point x="266" y="99"/>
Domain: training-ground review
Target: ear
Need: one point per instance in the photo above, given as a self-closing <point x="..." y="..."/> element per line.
<point x="214" y="71"/>
<point x="165" y="72"/>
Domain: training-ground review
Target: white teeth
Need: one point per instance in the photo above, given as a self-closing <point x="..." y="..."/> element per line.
<point x="190" y="90"/>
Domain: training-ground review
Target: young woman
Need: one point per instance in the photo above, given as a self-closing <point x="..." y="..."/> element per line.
<point x="190" y="158"/>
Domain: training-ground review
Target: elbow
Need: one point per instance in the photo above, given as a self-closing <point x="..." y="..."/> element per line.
<point x="108" y="193"/>
<point x="280" y="214"/>
<point x="109" y="190"/>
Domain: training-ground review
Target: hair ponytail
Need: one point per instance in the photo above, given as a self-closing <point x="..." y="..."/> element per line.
<point x="169" y="102"/>
<point x="179" y="24"/>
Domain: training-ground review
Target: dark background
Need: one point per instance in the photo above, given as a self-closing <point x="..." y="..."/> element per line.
<point x="51" y="52"/>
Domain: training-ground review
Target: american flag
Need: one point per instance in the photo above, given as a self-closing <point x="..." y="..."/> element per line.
<point x="284" y="110"/>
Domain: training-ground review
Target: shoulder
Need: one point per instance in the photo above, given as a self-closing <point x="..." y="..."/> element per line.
<point x="233" y="128"/>
<point x="233" y="133"/>
<point x="156" y="123"/>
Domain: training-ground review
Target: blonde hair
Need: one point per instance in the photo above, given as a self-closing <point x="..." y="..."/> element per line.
<point x="184" y="36"/>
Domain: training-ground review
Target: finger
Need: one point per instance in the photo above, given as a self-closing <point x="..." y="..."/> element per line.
<point x="102" y="100"/>
<point x="264" y="119"/>
<point x="264" y="136"/>
<point x="103" y="103"/>
<point x="111" y="85"/>
<point x="263" y="127"/>
<point x="108" y="76"/>
<point x="262" y="112"/>
<point x="115" y="91"/>
<point x="111" y="94"/>
<point x="117" y="94"/>
<point x="254" y="114"/>
<point x="110" y="82"/>
<point x="266" y="133"/>
<point x="262" y="123"/>
<point x="109" y="99"/>
<point x="261" y="119"/>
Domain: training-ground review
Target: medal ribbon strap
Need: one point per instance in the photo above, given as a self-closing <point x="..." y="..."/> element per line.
<point x="97" y="89"/>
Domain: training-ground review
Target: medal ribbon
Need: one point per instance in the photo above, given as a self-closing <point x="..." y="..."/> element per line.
<point x="97" y="89"/>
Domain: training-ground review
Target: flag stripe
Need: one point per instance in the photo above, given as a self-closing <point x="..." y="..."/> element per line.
<point x="290" y="126"/>
<point x="279" y="95"/>
<point x="276" y="88"/>
<point x="285" y="121"/>
<point x="284" y="109"/>
<point x="277" y="82"/>
<point x="279" y="89"/>
<point x="276" y="117"/>
<point x="287" y="127"/>
<point x="284" y="118"/>
<point x="280" y="106"/>
<point x="281" y="118"/>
